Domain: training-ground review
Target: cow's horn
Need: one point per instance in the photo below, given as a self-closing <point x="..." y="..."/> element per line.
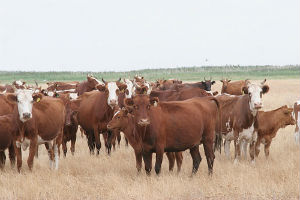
<point x="263" y="82"/>
<point x="103" y="81"/>
<point x="119" y="80"/>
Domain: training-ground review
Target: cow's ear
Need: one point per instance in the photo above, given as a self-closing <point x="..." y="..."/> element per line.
<point x="127" y="91"/>
<point x="12" y="98"/>
<point x="101" y="88"/>
<point x="128" y="102"/>
<point x="245" y="90"/>
<point x="265" y="89"/>
<point x="154" y="101"/>
<point x="122" y="86"/>
<point x="37" y="97"/>
<point x="213" y="82"/>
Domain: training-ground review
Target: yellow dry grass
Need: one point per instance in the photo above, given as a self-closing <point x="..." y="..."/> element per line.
<point x="115" y="177"/>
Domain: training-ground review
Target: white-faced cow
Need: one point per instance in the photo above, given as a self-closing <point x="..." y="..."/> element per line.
<point x="238" y="117"/>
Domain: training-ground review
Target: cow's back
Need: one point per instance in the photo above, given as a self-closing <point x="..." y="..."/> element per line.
<point x="5" y="106"/>
<point x="234" y="88"/>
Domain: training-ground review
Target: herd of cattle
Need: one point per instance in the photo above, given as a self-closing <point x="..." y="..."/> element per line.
<point x="155" y="117"/>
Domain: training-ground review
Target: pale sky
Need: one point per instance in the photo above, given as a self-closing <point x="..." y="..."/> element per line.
<point x="94" y="35"/>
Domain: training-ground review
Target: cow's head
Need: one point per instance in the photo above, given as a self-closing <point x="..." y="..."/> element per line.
<point x="112" y="89"/>
<point x="25" y="100"/>
<point x="207" y="84"/>
<point x="19" y="84"/>
<point x="130" y="91"/>
<point x="140" y="106"/>
<point x="286" y="116"/>
<point x="119" y="120"/>
<point x="255" y="92"/>
<point x="92" y="82"/>
<point x="225" y="82"/>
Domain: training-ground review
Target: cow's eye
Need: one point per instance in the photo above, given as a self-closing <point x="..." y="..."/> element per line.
<point x="118" y="117"/>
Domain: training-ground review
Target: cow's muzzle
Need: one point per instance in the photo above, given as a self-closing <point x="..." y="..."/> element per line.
<point x="258" y="105"/>
<point x="26" y="116"/>
<point x="144" y="122"/>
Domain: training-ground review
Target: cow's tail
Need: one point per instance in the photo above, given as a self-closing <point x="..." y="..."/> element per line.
<point x="218" y="130"/>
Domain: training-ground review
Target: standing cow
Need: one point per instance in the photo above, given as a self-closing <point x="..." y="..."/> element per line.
<point x="170" y="127"/>
<point x="39" y="121"/>
<point x="234" y="88"/>
<point x="238" y="117"/>
<point x="297" y="113"/>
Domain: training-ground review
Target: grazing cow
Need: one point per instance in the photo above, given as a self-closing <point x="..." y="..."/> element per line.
<point x="170" y="127"/>
<point x="87" y="86"/>
<point x="234" y="88"/>
<point x="238" y="117"/>
<point x="8" y="131"/>
<point x="39" y="120"/>
<point x="179" y="95"/>
<point x="124" y="121"/>
<point x="95" y="110"/>
<point x="268" y="123"/>
<point x="297" y="113"/>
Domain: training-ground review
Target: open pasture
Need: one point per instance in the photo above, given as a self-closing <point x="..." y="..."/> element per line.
<point x="115" y="177"/>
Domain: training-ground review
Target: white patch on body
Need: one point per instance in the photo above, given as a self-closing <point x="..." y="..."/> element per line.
<point x="70" y="90"/>
<point x="112" y="95"/>
<point x="25" y="144"/>
<point x="25" y="102"/>
<point x="245" y="137"/>
<point x="41" y="141"/>
<point x="56" y="156"/>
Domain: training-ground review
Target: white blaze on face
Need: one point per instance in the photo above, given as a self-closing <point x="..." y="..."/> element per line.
<point x="130" y="88"/>
<point x="25" y="102"/>
<point x="255" y="96"/>
<point x="19" y="83"/>
<point x="112" y="95"/>
<point x="73" y="95"/>
<point x="96" y="80"/>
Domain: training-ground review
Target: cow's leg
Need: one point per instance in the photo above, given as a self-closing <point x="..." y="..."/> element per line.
<point x="58" y="141"/>
<point x="159" y="159"/>
<point x="97" y="138"/>
<point x="37" y="151"/>
<point x="2" y="159"/>
<point x="32" y="150"/>
<point x="138" y="158"/>
<point x="227" y="148"/>
<point x="148" y="162"/>
<point x="194" y="151"/>
<point x="119" y="138"/>
<point x="209" y="153"/>
<point x="73" y="140"/>
<point x="245" y="148"/>
<point x="12" y="155"/>
<point x="267" y="147"/>
<point x="64" y="146"/>
<point x="56" y="153"/>
<point x="49" y="148"/>
<point x="257" y="146"/>
<point x="237" y="145"/>
<point x="18" y="155"/>
<point x="126" y="142"/>
<point x="171" y="158"/>
<point x="90" y="141"/>
<point x="179" y="159"/>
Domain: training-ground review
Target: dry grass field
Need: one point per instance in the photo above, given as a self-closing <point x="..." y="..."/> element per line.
<point x="115" y="177"/>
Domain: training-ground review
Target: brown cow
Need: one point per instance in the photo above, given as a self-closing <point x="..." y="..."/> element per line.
<point x="124" y="121"/>
<point x="95" y="110"/>
<point x="297" y="114"/>
<point x="268" y="123"/>
<point x="39" y="121"/>
<point x="6" y="89"/>
<point x="238" y="117"/>
<point x="88" y="85"/>
<point x="234" y="88"/>
<point x="170" y="127"/>
<point x="7" y="134"/>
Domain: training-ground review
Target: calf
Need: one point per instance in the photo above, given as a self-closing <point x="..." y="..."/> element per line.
<point x="297" y="113"/>
<point x="39" y="120"/>
<point x="8" y="131"/>
<point x="234" y="88"/>
<point x="238" y="117"/>
<point x="268" y="123"/>
<point x="170" y="127"/>
<point x="124" y="121"/>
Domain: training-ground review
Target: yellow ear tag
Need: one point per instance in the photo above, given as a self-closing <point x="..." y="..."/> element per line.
<point x="38" y="99"/>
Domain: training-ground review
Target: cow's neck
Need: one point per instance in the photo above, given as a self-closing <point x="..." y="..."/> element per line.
<point x="249" y="115"/>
